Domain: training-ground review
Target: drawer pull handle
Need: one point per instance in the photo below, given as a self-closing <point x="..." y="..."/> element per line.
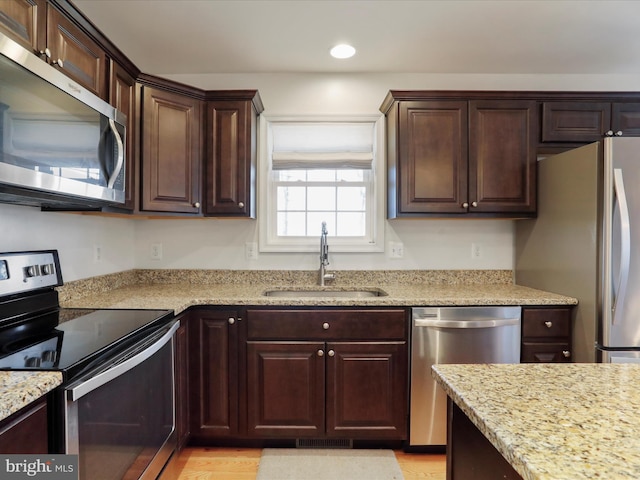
<point x="325" y="326"/>
<point x="549" y="324"/>
<point x="320" y="353"/>
<point x="566" y="353"/>
<point x="331" y="353"/>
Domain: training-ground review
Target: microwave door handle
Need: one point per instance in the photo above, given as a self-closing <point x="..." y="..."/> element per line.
<point x="625" y="244"/>
<point x="120" y="160"/>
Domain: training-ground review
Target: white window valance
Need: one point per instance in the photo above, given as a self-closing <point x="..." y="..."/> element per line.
<point x="322" y="145"/>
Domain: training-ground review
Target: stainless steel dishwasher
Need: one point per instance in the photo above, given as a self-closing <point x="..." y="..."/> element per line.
<point x="453" y="335"/>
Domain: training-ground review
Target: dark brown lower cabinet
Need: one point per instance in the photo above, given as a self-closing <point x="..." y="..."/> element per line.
<point x="546" y="334"/>
<point x="26" y="431"/>
<point x="213" y="374"/>
<point x="316" y="386"/>
<point x="469" y="454"/>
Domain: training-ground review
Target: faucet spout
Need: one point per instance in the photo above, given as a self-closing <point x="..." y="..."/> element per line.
<point x="324" y="257"/>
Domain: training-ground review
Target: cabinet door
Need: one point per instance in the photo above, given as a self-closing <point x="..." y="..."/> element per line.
<point x="25" y="431"/>
<point x="24" y="21"/>
<point x="502" y="156"/>
<point x="231" y="158"/>
<point x="170" y="152"/>
<point x="367" y="390"/>
<point x="432" y="163"/>
<point x="77" y="55"/>
<point x="581" y="122"/>
<point x="122" y="95"/>
<point x="285" y="389"/>
<point x="547" y="352"/>
<point x="626" y="119"/>
<point x="213" y="383"/>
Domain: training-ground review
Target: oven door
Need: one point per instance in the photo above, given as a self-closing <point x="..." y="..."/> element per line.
<point x="120" y="420"/>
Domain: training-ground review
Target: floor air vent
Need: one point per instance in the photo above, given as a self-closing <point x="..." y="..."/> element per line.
<point x="323" y="443"/>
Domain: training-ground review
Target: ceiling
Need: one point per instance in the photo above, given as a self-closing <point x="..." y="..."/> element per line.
<point x="391" y="36"/>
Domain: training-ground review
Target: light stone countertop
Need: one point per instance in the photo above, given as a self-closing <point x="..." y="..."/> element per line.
<point x="180" y="289"/>
<point x="554" y="421"/>
<point x="19" y="389"/>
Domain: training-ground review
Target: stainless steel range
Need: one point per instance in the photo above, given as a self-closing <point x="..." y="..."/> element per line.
<point x="116" y="406"/>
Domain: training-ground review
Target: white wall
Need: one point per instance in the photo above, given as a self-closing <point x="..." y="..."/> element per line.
<point x="74" y="236"/>
<point x="213" y="243"/>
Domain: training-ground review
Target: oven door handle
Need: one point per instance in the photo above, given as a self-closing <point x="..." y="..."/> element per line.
<point x="94" y="381"/>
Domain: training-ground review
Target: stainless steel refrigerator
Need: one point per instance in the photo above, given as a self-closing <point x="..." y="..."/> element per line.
<point x="585" y="243"/>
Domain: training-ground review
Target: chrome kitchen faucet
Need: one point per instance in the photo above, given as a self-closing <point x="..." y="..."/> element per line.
<point x="324" y="257"/>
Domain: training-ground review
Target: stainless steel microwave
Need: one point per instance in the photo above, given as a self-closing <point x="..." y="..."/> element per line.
<point x="61" y="146"/>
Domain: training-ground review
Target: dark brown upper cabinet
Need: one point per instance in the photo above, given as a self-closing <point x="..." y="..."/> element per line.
<point x="588" y="121"/>
<point x="25" y="22"/>
<point x="171" y="152"/>
<point x="231" y="153"/>
<point x="451" y="155"/>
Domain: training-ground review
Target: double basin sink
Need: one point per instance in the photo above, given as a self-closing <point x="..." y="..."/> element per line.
<point x="323" y="293"/>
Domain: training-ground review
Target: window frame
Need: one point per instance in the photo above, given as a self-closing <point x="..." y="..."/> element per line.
<point x="268" y="241"/>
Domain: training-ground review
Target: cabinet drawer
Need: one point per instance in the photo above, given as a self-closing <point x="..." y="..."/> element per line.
<point x="326" y="325"/>
<point x="575" y="121"/>
<point x="545" y="352"/>
<point x="546" y="322"/>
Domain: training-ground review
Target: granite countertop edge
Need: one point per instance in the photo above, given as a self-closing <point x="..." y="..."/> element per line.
<point x="568" y="421"/>
<point x="21" y="388"/>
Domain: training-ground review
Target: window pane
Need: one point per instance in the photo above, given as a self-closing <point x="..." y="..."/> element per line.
<point x="352" y="198"/>
<point x="351" y="224"/>
<point x="291" y="224"/>
<point x="350" y="175"/>
<point x="291" y="198"/>
<point x="321" y="175"/>
<point x="314" y="223"/>
<point x="321" y="198"/>
<point x="291" y="175"/>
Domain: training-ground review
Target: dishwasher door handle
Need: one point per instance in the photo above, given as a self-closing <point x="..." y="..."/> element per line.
<point x="442" y="323"/>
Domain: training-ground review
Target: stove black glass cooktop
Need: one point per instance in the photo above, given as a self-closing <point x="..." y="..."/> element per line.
<point x="78" y="338"/>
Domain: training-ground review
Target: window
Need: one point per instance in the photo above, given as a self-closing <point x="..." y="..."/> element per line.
<point x="315" y="171"/>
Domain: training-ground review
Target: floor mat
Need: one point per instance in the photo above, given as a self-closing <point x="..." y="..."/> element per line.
<point x="328" y="464"/>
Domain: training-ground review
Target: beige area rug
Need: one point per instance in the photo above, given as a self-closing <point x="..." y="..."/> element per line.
<point x="328" y="464"/>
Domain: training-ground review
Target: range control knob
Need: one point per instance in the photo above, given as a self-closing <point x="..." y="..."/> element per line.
<point x="31" y="271"/>
<point x="49" y="356"/>
<point x="46" y="269"/>
<point x="32" y="362"/>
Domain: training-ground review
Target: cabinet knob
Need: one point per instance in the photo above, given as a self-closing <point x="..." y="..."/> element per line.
<point x="59" y="62"/>
<point x="320" y="353"/>
<point x="465" y="205"/>
<point x="45" y="53"/>
<point x="331" y="353"/>
<point x="548" y="324"/>
<point x="232" y="320"/>
<point x="241" y="204"/>
<point x="609" y="133"/>
<point x="196" y="204"/>
<point x="325" y="326"/>
<point x="474" y="204"/>
<point x="566" y="353"/>
<point x="618" y="133"/>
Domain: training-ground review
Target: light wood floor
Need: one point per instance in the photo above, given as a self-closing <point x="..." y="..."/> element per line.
<point x="242" y="464"/>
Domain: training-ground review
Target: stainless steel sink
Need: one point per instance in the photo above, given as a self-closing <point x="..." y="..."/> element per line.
<point x="326" y="293"/>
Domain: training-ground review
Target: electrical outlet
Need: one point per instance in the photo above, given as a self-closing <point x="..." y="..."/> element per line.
<point x="396" y="249"/>
<point x="97" y="253"/>
<point x="476" y="250"/>
<point x="156" y="251"/>
<point x="251" y="250"/>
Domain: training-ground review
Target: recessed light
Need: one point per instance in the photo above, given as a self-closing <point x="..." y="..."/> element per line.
<point x="343" y="51"/>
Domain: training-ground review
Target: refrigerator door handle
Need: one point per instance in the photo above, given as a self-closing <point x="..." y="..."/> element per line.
<point x="625" y="242"/>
